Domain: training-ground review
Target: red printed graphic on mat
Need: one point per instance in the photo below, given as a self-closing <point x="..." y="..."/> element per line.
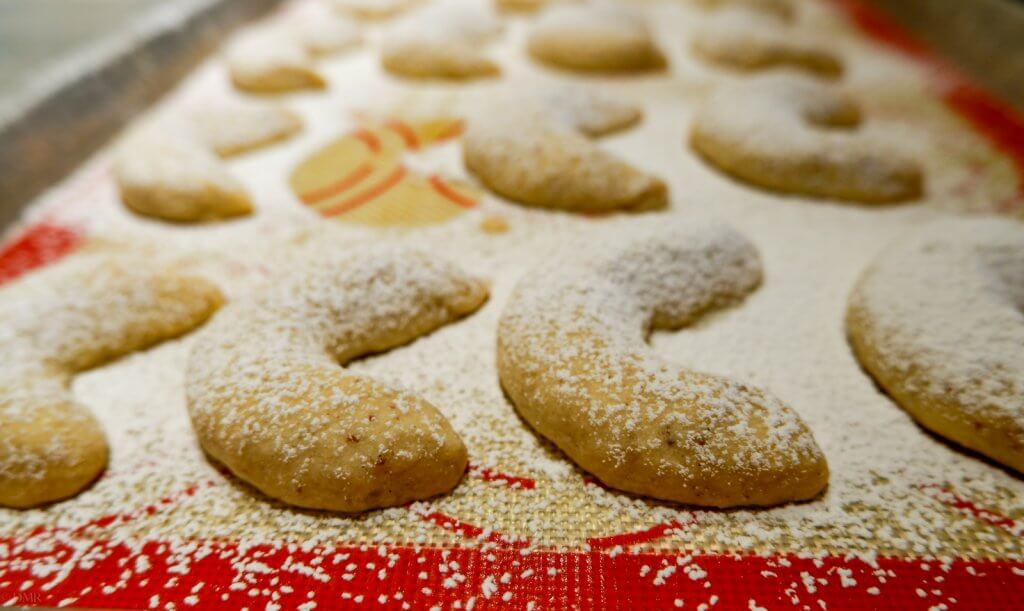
<point x="35" y="247"/>
<point x="948" y="497"/>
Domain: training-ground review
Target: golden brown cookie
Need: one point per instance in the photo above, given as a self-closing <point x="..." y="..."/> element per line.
<point x="323" y="33"/>
<point x="531" y="148"/>
<point x="520" y="6"/>
<point x="573" y="358"/>
<point x="165" y="173"/>
<point x="373" y="10"/>
<point x="746" y="41"/>
<point x="937" y="321"/>
<point x="61" y="321"/>
<point x="599" y="37"/>
<point x="268" y="59"/>
<point x="269" y="399"/>
<point x="783" y="10"/>
<point x="446" y="40"/>
<point x="169" y="168"/>
<point x="792" y="134"/>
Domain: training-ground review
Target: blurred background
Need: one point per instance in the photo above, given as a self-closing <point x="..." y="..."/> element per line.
<point x="60" y="60"/>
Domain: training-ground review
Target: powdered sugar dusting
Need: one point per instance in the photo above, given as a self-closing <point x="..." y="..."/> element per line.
<point x="572" y="355"/>
<point x="531" y="147"/>
<point x="793" y="134"/>
<point x="267" y="396"/>
<point x="57" y="323"/>
<point x="787" y="337"/>
<point x="943" y="309"/>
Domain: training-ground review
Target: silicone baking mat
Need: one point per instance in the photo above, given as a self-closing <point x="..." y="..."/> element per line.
<point x="916" y="524"/>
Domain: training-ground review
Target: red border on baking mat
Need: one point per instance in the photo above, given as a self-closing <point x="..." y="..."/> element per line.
<point x="50" y="567"/>
<point x="226" y="575"/>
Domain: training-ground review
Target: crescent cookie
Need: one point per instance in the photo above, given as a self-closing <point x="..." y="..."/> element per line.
<point x="269" y="399"/>
<point x="442" y="41"/>
<point x="322" y="32"/>
<point x="170" y="169"/>
<point x="747" y="41"/>
<point x="268" y="59"/>
<point x="783" y="10"/>
<point x="573" y="358"/>
<point x="594" y="38"/>
<point x="239" y="127"/>
<point x="520" y="6"/>
<point x="166" y="174"/>
<point x="532" y="149"/>
<point x="74" y="316"/>
<point x="792" y="134"/>
<point x="373" y="9"/>
<point x="938" y="322"/>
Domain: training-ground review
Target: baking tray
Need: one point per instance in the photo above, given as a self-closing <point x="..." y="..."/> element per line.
<point x="77" y="104"/>
<point x="619" y="563"/>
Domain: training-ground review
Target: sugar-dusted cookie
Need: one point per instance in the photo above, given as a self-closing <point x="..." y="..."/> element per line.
<point x="166" y="174"/>
<point x="531" y="148"/>
<point x="527" y="6"/>
<point x="61" y="321"/>
<point x="271" y="59"/>
<point x="598" y="37"/>
<point x="573" y="358"/>
<point x="323" y="32"/>
<point x="446" y="40"/>
<point x="373" y="9"/>
<point x="169" y="168"/>
<point x="231" y="128"/>
<point x="269" y="399"/>
<point x="744" y="40"/>
<point x="792" y="134"/>
<point x="938" y="321"/>
<point x="586" y="109"/>
<point x="520" y="6"/>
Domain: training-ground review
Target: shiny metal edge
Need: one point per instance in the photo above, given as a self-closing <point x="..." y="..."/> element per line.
<point x="49" y="138"/>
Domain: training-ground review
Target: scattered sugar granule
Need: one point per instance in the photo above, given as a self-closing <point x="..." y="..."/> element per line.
<point x="488" y="587"/>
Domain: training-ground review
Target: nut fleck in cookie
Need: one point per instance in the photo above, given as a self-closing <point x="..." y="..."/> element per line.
<point x="573" y="357"/>
<point x="938" y="321"/>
